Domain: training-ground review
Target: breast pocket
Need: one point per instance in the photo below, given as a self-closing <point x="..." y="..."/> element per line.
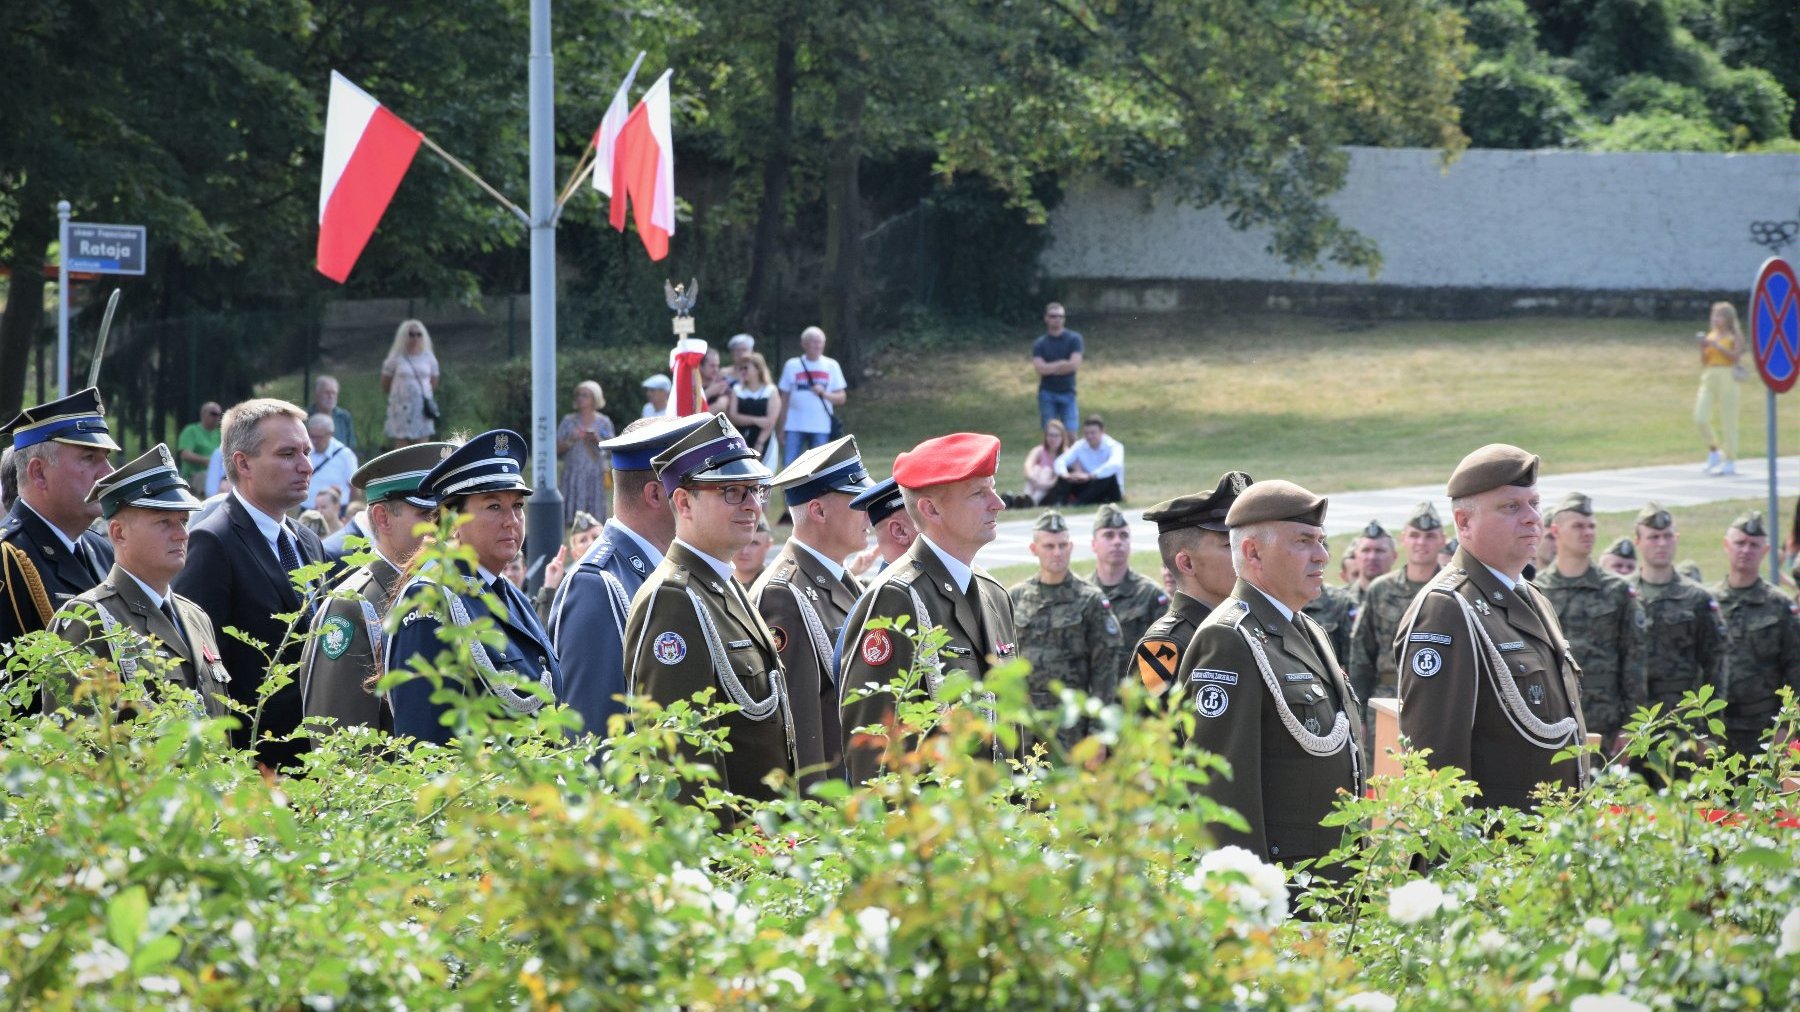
<point x="1530" y="674"/>
<point x="1310" y="704"/>
<point x="1763" y="634"/>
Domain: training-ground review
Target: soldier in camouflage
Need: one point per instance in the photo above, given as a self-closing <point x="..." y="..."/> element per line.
<point x="1066" y="628"/>
<point x="1335" y="611"/>
<point x="1371" y="656"/>
<point x="1196" y="551"/>
<point x="1686" y="644"/>
<point x="1602" y="619"/>
<point x="1374" y="559"/>
<point x="1621" y="559"/>
<point x="1762" y="635"/>
<point x="1136" y="600"/>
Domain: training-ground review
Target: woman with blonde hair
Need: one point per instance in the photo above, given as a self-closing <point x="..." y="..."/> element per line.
<point x="754" y="405"/>
<point x="409" y="377"/>
<point x="1040" y="463"/>
<point x="584" y="464"/>
<point x="1721" y="355"/>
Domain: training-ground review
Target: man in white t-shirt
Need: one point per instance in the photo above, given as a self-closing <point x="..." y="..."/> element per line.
<point x="814" y="386"/>
<point x="656" y="396"/>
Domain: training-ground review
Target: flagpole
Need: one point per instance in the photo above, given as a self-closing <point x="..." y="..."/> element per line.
<point x="580" y="173"/>
<point x="543" y="514"/>
<point x="465" y="170"/>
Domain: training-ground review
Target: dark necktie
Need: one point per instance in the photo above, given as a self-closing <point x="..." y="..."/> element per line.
<point x="284" y="546"/>
<point x="168" y="610"/>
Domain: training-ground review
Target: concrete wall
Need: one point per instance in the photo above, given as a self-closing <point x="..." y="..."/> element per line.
<point x="1522" y="231"/>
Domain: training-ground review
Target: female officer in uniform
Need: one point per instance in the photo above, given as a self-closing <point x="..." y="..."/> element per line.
<point x="480" y="485"/>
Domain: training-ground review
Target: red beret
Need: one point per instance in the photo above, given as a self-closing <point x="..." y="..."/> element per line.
<point x="956" y="457"/>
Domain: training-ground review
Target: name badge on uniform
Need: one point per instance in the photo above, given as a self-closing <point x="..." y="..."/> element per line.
<point x="1511" y="646"/>
<point x="1298" y="676"/>
<point x="738" y="644"/>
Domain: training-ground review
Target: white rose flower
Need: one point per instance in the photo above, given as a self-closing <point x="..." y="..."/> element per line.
<point x="1415" y="901"/>
<point x="1606" y="1003"/>
<point x="1367" y="1001"/>
<point x="1263" y="894"/>
<point x="1598" y="927"/>
<point x="873" y="926"/>
<point x="101" y="963"/>
<point x="783" y="975"/>
<point x="160" y="985"/>
<point x="1790" y="934"/>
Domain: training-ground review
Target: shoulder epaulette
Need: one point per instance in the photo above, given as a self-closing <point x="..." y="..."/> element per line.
<point x="603" y="554"/>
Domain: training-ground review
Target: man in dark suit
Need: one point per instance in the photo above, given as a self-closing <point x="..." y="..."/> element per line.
<point x="806" y="593"/>
<point x="47" y="553"/>
<point x="239" y="559"/>
<point x="1271" y="695"/>
<point x="691" y="627"/>
<point x="948" y="485"/>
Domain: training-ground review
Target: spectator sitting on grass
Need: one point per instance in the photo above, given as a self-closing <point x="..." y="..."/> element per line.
<point x="1093" y="470"/>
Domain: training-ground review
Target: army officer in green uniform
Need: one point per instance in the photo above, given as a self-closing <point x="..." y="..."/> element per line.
<point x="1763" y="637"/>
<point x="1487" y="682"/>
<point x="1136" y="600"/>
<point x="1601" y="616"/>
<point x="692" y="629"/>
<point x="1269" y="692"/>
<point x="1196" y="549"/>
<point x="346" y="646"/>
<point x="1067" y="629"/>
<point x="1685" y="648"/>
<point x="146" y="505"/>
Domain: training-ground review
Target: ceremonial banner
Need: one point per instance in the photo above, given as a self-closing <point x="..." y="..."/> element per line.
<point x="643" y="170"/>
<point x="367" y="152"/>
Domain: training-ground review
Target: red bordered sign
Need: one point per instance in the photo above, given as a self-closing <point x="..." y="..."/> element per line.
<point x="1775" y="324"/>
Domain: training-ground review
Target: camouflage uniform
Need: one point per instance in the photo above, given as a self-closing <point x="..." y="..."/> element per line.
<point x="1335" y="611"/>
<point x="1685" y="648"/>
<point x="1069" y="634"/>
<point x="1136" y="602"/>
<point x="1762" y="654"/>
<point x="1371" y="657"/>
<point x="1606" y="629"/>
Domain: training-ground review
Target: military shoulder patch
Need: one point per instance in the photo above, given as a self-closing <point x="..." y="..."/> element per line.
<point x="877" y="649"/>
<point x="1156" y="659"/>
<point x="1112" y="624"/>
<point x="336" y="634"/>
<point x="1427" y="662"/>
<point x="669" y="648"/>
<point x="780" y="636"/>
<point x="1212" y="701"/>
<point x="1441" y="639"/>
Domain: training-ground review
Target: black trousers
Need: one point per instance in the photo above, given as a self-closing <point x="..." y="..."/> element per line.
<point x="1084" y="493"/>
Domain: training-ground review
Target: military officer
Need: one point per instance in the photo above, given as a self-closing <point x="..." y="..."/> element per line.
<point x="47" y="552"/>
<point x="1762" y="637"/>
<point x="344" y="653"/>
<point x="948" y="485"/>
<point x="1621" y="559"/>
<point x="1196" y="550"/>
<point x="1270" y="694"/>
<point x="1602" y="619"/>
<point x="1371" y="660"/>
<point x="588" y="615"/>
<point x="1067" y="629"/>
<point x="146" y="505"/>
<point x="1136" y="600"/>
<point x="1685" y="646"/>
<point x="805" y="594"/>
<point x="480" y="484"/>
<point x="894" y="530"/>
<point x="1487" y="681"/>
<point x="693" y="629"/>
<point x="1375" y="557"/>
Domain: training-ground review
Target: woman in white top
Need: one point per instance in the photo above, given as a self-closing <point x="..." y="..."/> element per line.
<point x="408" y="377"/>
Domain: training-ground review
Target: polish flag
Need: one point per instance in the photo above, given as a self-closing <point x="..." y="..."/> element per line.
<point x="606" y="138"/>
<point x="367" y="151"/>
<point x="643" y="169"/>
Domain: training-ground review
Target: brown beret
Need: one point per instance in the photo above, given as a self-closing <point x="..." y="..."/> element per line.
<point x="1276" y="500"/>
<point x="1490" y="467"/>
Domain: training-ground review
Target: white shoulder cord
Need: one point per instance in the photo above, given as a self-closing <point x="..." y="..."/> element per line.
<point x="1313" y="744"/>
<point x="815" y="627"/>
<point x="1529" y="725"/>
<point x="127" y="660"/>
<point x="484" y="665"/>
<point x="377" y="642"/>
<point x="934" y="675"/>
<point x="758" y="710"/>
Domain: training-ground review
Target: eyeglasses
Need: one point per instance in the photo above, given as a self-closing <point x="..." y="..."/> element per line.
<point x="735" y="495"/>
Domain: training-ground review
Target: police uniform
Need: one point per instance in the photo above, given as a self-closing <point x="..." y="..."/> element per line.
<point x="1487" y="681"/>
<point x="1371" y="660"/>
<point x="1157" y="653"/>
<point x="490" y="462"/>
<point x="976" y="616"/>
<point x="692" y="628"/>
<point x="1136" y="600"/>
<point x="1068" y="631"/>
<point x="1606" y="629"/>
<point x="169" y="639"/>
<point x="1762" y="651"/>
<point x="1272" y="700"/>
<point x="38" y="571"/>
<point x="590" y="609"/>
<point x="1685" y="645"/>
<point x="346" y="644"/>
<point x="804" y="598"/>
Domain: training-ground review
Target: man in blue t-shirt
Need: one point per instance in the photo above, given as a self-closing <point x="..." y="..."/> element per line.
<point x="1056" y="355"/>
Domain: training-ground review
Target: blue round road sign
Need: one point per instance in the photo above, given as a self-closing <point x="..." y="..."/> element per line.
<point x="1775" y="324"/>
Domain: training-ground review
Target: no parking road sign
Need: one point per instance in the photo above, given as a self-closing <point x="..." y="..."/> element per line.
<point x="1775" y="325"/>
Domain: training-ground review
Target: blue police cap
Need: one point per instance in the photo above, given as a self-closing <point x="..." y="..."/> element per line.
<point x="78" y="420"/>
<point x="491" y="462"/>
<point x="642" y="440"/>
<point x="880" y="500"/>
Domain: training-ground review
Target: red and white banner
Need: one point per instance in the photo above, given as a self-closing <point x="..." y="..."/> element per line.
<point x="606" y="138"/>
<point x="643" y="169"/>
<point x="367" y="152"/>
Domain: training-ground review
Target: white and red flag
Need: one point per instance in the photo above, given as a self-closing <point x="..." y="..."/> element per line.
<point x="367" y="152"/>
<point x="606" y="138"/>
<point x="643" y="170"/>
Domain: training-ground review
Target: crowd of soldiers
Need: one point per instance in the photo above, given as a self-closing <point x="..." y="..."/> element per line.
<point x="1500" y="656"/>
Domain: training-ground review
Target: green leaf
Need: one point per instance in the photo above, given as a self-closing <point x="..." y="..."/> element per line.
<point x="126" y="916"/>
<point x="156" y="953"/>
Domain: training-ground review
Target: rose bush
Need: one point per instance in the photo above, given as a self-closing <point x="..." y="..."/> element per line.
<point x="146" y="863"/>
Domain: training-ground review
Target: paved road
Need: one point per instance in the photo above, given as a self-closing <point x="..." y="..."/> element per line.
<point x="1622" y="489"/>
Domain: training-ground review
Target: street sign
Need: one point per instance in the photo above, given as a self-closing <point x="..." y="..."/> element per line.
<point x="1775" y="324"/>
<point x="105" y="249"/>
